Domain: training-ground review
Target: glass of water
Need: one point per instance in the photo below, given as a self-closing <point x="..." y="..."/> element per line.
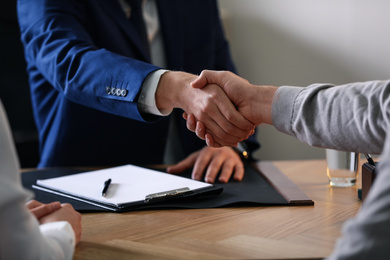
<point x="342" y="167"/>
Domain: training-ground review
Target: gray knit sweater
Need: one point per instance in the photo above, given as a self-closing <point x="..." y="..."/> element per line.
<point x="351" y="117"/>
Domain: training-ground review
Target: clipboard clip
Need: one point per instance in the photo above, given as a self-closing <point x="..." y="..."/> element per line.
<point x="167" y="194"/>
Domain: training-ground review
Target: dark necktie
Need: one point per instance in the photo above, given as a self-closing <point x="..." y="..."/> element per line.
<point x="138" y="21"/>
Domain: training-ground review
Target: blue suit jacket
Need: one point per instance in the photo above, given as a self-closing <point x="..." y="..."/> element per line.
<point x="77" y="50"/>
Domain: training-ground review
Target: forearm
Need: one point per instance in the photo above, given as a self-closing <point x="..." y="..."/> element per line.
<point x="90" y="87"/>
<point x="348" y="117"/>
<point x="67" y="62"/>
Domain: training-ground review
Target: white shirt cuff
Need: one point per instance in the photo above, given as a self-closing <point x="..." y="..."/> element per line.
<point x="147" y="100"/>
<point x="62" y="231"/>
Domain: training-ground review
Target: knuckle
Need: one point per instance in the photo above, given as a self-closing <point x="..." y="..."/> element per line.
<point x="229" y="115"/>
<point x="214" y="94"/>
<point x="202" y="111"/>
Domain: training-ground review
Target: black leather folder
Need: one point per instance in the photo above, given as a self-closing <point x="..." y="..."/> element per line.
<point x="263" y="185"/>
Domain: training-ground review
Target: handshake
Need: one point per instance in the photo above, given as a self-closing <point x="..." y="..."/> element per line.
<point x="223" y="108"/>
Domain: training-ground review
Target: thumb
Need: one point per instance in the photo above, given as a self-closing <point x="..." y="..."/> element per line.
<point x="205" y="78"/>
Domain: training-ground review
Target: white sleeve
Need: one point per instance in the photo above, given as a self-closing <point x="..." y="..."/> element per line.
<point x="61" y="237"/>
<point x="146" y="100"/>
<point x="20" y="234"/>
<point x="20" y="229"/>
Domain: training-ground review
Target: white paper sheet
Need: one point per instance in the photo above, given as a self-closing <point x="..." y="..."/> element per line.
<point x="129" y="184"/>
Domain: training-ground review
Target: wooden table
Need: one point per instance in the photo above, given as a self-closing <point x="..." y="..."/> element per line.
<point x="292" y="232"/>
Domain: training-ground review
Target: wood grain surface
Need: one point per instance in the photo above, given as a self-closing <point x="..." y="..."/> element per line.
<point x="277" y="232"/>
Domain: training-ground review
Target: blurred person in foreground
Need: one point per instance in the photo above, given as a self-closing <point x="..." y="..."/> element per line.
<point x="35" y="230"/>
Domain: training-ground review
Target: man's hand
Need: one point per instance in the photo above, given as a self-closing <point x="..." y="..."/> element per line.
<point x="253" y="102"/>
<point x="219" y="163"/>
<point x="239" y="90"/>
<point x="210" y="105"/>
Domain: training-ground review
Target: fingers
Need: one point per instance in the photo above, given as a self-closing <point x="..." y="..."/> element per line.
<point x="191" y="121"/>
<point x="226" y="138"/>
<point x="210" y="141"/>
<point x="239" y="125"/>
<point x="201" y="164"/>
<point x="239" y="172"/>
<point x="183" y="165"/>
<point x="223" y="166"/>
<point x="221" y="117"/>
<point x="229" y="167"/>
<point x="221" y="163"/>
<point x="212" y="163"/>
<point x="219" y="78"/>
<point x="200" y="129"/>
<point x="33" y="204"/>
<point x="214" y="166"/>
<point x="45" y="209"/>
<point x="207" y="77"/>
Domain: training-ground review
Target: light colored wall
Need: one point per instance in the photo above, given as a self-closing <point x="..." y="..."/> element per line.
<point x="299" y="42"/>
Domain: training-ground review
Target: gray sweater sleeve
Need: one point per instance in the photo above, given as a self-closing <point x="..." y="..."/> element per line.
<point x="351" y="117"/>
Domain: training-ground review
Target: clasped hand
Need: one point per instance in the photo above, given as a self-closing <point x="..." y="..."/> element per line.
<point x="52" y="212"/>
<point x="210" y="105"/>
<point x="253" y="102"/>
<point x="221" y="108"/>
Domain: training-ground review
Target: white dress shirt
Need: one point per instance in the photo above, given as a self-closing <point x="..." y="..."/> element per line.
<point x="147" y="101"/>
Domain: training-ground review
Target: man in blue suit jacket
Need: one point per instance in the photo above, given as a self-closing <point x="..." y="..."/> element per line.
<point x="88" y="67"/>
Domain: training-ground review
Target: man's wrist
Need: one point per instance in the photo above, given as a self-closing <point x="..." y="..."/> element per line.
<point x="263" y="99"/>
<point x="173" y="89"/>
<point x="147" y="100"/>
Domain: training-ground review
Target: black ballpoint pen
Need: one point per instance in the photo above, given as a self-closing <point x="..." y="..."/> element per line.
<point x="106" y="185"/>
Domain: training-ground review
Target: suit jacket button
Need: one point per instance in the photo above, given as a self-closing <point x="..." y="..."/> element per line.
<point x="123" y="92"/>
<point x="118" y="92"/>
<point x="108" y="89"/>
<point x="112" y="91"/>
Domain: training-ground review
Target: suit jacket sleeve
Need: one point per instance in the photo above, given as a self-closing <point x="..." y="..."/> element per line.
<point x="57" y="43"/>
